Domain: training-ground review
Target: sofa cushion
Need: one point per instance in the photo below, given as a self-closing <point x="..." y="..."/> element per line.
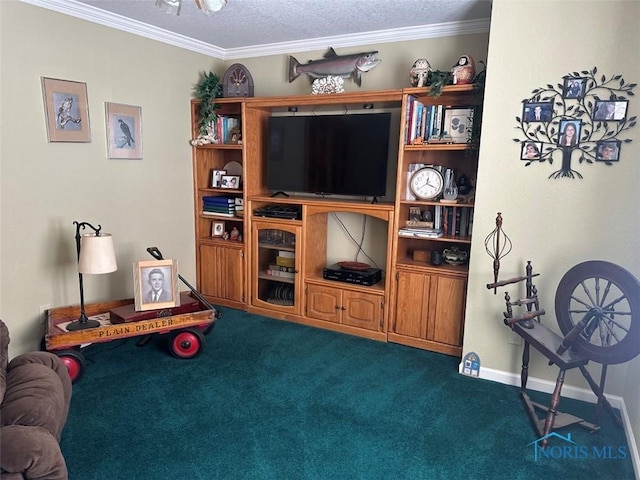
<point x="38" y="392"/>
<point x="30" y="452"/>
<point x="4" y="357"/>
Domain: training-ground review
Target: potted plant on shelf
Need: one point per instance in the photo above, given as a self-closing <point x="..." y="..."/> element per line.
<point x="207" y="91"/>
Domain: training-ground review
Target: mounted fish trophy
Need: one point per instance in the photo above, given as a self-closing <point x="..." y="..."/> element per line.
<point x="334" y="65"/>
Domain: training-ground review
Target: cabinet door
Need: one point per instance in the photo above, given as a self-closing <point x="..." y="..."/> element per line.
<point x="447" y="315"/>
<point x="324" y="303"/>
<point x="412" y="304"/>
<point x="221" y="272"/>
<point x="362" y="310"/>
<point x="276" y="267"/>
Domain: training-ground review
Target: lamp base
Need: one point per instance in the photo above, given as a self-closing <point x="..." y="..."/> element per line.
<point x="80" y="325"/>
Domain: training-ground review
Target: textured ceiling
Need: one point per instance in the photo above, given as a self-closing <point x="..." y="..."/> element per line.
<point x="247" y="27"/>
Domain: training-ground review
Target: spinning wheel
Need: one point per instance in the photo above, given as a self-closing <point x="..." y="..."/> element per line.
<point x="597" y="306"/>
<point x="600" y="301"/>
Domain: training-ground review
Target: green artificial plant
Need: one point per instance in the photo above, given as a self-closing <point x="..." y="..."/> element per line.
<point x="207" y="91"/>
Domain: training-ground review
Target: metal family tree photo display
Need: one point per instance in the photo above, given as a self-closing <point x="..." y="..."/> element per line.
<point x="124" y="131"/>
<point x="583" y="118"/>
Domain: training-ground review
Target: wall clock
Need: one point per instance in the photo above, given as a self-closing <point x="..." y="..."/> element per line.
<point x="237" y="82"/>
<point x="426" y="183"/>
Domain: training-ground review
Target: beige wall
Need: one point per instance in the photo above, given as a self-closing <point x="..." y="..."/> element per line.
<point x="46" y="186"/>
<point x="554" y="223"/>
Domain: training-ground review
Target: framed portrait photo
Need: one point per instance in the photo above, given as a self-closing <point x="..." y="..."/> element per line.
<point x="230" y="181"/>
<point x="573" y="87"/>
<point x="610" y="110"/>
<point x="608" y="151"/>
<point x="216" y="178"/>
<point x="66" y="110"/>
<point x="531" y="150"/>
<point x="458" y="124"/>
<point x="155" y="284"/>
<point x="217" y="229"/>
<point x="537" y="111"/>
<point x="569" y="134"/>
<point x="124" y="131"/>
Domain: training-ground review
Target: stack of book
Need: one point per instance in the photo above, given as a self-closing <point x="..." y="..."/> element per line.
<point x="280" y="271"/>
<point x="286" y="258"/>
<point x="219" y="205"/>
<point x="420" y="232"/>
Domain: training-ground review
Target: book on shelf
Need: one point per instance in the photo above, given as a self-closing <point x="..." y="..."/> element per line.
<point x="209" y="208"/>
<point x="285" y="261"/>
<point x="218" y="201"/>
<point x="282" y="268"/>
<point x="286" y="254"/>
<point x="218" y="214"/>
<point x="280" y="273"/>
<point x="420" y="233"/>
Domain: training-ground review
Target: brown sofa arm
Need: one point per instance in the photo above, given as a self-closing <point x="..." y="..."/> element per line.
<point x="38" y="392"/>
<point x="30" y="452"/>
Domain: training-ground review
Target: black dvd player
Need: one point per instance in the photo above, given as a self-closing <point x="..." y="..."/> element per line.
<point x="368" y="277"/>
<point x="279" y="211"/>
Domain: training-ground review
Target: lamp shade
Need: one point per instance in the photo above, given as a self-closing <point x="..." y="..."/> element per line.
<point x="97" y="254"/>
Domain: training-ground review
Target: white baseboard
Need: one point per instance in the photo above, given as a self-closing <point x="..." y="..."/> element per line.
<point x="568" y="391"/>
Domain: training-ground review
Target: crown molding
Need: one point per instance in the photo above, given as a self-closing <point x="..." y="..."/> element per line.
<point x="118" y="22"/>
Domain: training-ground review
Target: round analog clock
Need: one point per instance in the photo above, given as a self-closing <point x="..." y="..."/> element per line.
<point x="237" y="82"/>
<point x="426" y="183"/>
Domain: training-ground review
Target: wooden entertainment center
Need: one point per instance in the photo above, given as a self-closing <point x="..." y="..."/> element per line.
<point x="275" y="266"/>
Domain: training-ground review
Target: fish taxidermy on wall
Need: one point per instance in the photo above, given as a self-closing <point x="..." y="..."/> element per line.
<point x="345" y="66"/>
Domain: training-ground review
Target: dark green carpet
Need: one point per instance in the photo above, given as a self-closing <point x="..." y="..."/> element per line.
<point x="269" y="399"/>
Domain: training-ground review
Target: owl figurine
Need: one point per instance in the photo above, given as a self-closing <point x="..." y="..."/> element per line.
<point x="464" y="71"/>
<point x="419" y="72"/>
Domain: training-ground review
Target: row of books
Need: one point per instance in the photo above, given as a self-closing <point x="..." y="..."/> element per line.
<point x="455" y="221"/>
<point x="447" y="220"/>
<point x="436" y="123"/>
<point x="227" y="129"/>
<point x="226" y="206"/>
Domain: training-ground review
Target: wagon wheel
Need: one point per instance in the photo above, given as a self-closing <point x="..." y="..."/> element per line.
<point x="75" y="363"/>
<point x="186" y="343"/>
<point x="606" y="298"/>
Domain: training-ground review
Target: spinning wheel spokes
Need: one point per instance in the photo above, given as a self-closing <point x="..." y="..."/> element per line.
<point x="606" y="298"/>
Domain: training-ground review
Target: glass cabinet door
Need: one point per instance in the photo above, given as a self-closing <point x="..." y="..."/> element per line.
<point x="276" y="266"/>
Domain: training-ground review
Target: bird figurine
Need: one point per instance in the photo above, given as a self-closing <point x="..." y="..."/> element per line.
<point x="419" y="73"/>
<point x="464" y="71"/>
<point x="128" y="138"/>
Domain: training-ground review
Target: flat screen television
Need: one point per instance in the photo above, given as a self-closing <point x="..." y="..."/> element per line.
<point x="329" y="154"/>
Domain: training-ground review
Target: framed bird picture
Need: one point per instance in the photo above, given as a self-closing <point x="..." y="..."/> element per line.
<point x="124" y="131"/>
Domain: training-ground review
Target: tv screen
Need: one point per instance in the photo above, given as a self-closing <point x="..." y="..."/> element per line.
<point x="329" y="154"/>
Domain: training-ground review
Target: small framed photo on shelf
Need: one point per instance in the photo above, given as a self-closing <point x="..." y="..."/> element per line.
<point x="67" y="110"/>
<point x="230" y="181"/>
<point x="124" y="131"/>
<point x="216" y="178"/>
<point x="217" y="229"/>
<point x="235" y="136"/>
<point x="458" y="125"/>
<point x="156" y="284"/>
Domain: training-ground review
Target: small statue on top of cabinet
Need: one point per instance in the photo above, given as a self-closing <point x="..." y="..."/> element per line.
<point x="464" y="71"/>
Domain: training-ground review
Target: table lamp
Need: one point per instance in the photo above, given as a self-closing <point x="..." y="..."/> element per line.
<point x="95" y="256"/>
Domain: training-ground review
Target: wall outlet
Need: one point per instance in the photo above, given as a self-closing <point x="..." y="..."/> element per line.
<point x="514" y="338"/>
<point x="43" y="313"/>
